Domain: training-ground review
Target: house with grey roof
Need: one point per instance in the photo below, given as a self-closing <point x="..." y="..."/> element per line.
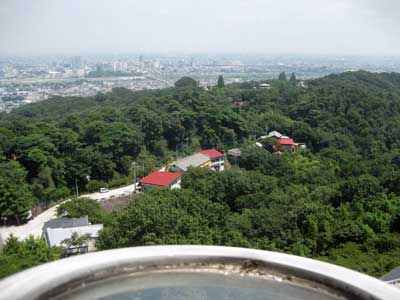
<point x="65" y="232"/>
<point x="234" y="154"/>
<point x="274" y="134"/>
<point x="393" y="277"/>
<point x="195" y="160"/>
<point x="66" y="222"/>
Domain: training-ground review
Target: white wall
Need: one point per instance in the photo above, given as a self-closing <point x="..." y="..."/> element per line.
<point x="176" y="185"/>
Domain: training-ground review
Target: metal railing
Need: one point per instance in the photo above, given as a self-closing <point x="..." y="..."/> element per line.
<point x="208" y="271"/>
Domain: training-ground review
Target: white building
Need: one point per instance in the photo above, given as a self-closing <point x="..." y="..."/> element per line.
<point x="56" y="231"/>
<point x="216" y="157"/>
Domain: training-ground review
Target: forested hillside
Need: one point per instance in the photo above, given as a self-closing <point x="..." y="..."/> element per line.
<point x="338" y="200"/>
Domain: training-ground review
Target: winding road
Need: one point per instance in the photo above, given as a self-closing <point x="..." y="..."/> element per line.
<point x="34" y="227"/>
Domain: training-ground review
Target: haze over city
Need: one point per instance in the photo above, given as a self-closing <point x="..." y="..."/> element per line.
<point x="353" y="27"/>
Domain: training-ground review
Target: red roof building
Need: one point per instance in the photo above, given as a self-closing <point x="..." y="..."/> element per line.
<point x="287" y="143"/>
<point x="216" y="157"/>
<point x="159" y="178"/>
<point x="212" y="153"/>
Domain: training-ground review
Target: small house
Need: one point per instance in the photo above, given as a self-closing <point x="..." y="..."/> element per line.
<point x="393" y="277"/>
<point x="216" y="157"/>
<point x="234" y="154"/>
<point x="287" y="144"/>
<point x="156" y="179"/>
<point x="57" y="233"/>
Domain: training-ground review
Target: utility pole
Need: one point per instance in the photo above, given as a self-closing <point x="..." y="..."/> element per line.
<point x="187" y="146"/>
<point x="143" y="168"/>
<point x="1" y="242"/>
<point x="76" y="188"/>
<point x="134" y="176"/>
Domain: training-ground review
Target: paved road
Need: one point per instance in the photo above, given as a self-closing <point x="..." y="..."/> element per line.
<point x="125" y="190"/>
<point x="34" y="227"/>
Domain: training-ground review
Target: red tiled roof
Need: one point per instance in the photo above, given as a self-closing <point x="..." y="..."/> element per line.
<point x="212" y="153"/>
<point x="286" y="141"/>
<point x="160" y="178"/>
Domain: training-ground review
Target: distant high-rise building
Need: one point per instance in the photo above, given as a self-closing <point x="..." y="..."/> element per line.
<point x="77" y="62"/>
<point x="120" y="66"/>
<point x="141" y="62"/>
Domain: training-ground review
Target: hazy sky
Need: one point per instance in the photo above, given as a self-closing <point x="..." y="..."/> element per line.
<point x="35" y="27"/>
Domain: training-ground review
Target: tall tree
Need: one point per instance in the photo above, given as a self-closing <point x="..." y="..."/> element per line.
<point x="293" y="78"/>
<point x="15" y="195"/>
<point x="282" y="76"/>
<point x="221" y="82"/>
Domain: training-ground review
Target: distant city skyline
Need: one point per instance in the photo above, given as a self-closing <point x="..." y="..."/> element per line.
<point x="26" y="80"/>
<point x="303" y="27"/>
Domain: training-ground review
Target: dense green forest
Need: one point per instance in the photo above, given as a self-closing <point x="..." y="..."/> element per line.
<point x="338" y="200"/>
